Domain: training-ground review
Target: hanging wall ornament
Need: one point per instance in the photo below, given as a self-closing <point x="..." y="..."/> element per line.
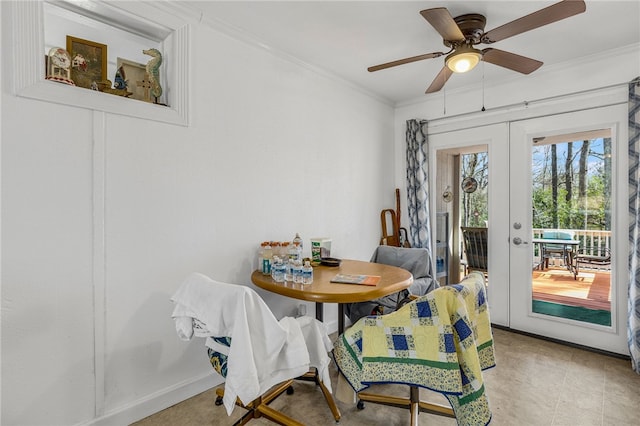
<point x="447" y="195"/>
<point x="469" y="185"/>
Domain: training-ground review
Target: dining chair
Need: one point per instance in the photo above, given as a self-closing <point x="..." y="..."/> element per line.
<point x="415" y="260"/>
<point x="476" y="251"/>
<point x="441" y="341"/>
<point x="257" y="355"/>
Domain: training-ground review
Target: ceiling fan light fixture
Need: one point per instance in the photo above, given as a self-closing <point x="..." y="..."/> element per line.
<point x="464" y="59"/>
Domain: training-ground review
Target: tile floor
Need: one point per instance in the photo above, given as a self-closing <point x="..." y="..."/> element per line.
<point x="535" y="382"/>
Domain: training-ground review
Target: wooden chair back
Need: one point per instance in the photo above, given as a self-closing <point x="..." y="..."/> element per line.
<point x="476" y="248"/>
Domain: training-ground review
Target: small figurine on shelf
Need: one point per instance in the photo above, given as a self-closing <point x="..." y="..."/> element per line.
<point x="79" y="62"/>
<point x="153" y="72"/>
<point x="105" y="87"/>
<point x="59" y="66"/>
<point x="145" y="85"/>
<point x="120" y="79"/>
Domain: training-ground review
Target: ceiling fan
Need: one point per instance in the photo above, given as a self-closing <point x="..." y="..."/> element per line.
<point x="464" y="32"/>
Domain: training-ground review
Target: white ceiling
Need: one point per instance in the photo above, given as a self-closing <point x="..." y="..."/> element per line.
<point x="343" y="38"/>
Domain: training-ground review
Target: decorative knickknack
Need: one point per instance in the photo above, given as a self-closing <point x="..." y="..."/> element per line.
<point x="59" y="66"/>
<point x="153" y="75"/>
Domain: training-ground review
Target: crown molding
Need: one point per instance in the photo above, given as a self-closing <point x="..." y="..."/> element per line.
<point x="189" y="10"/>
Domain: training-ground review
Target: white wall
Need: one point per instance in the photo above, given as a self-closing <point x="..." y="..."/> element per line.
<point x="104" y="215"/>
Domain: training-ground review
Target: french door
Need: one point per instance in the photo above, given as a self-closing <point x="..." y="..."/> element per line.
<point x="511" y="251"/>
<point x="494" y="140"/>
<point x="595" y="139"/>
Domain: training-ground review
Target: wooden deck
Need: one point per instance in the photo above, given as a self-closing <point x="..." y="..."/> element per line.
<point x="591" y="289"/>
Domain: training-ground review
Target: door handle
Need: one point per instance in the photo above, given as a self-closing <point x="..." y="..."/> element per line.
<point x="517" y="241"/>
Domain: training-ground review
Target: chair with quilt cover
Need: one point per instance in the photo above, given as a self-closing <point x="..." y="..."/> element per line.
<point x="257" y="355"/>
<point x="441" y="341"/>
<point x="415" y="260"/>
<point x="476" y="249"/>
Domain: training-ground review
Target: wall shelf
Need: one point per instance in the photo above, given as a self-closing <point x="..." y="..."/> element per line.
<point x="165" y="30"/>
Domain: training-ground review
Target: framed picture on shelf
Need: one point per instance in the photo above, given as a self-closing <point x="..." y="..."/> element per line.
<point x="88" y="61"/>
<point x="133" y="75"/>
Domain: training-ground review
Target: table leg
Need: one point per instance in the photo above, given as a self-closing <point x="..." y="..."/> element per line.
<point x="541" y="256"/>
<point x="319" y="315"/>
<point x="570" y="265"/>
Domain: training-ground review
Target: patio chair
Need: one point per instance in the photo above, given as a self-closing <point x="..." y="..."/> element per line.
<point x="476" y="249"/>
<point x="591" y="256"/>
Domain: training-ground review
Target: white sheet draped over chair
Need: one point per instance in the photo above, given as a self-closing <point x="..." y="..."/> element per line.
<point x="263" y="351"/>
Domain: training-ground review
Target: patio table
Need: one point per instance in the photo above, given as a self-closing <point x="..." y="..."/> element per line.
<point x="568" y="246"/>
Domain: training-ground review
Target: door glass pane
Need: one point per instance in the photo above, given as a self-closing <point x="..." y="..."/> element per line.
<point x="474" y="175"/>
<point x="462" y="178"/>
<point x="571" y="217"/>
<point x="474" y="212"/>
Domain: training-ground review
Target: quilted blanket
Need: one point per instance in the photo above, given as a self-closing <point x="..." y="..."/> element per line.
<point x="441" y="341"/>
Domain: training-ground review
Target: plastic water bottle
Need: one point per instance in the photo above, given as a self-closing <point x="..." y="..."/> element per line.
<point x="297" y="240"/>
<point x="288" y="273"/>
<point x="282" y="270"/>
<point x="276" y="247"/>
<point x="294" y="252"/>
<point x="274" y="266"/>
<point x="278" y="269"/>
<point x="267" y="258"/>
<point x="297" y="272"/>
<point x="260" y="256"/>
<point x="307" y="273"/>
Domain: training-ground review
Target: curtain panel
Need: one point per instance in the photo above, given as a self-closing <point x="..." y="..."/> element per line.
<point x="633" y="330"/>
<point x="418" y="184"/>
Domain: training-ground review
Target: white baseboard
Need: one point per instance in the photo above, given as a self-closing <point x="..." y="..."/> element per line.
<point x="158" y="401"/>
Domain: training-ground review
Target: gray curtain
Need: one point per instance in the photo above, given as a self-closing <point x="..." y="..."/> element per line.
<point x="418" y="184"/>
<point x="633" y="332"/>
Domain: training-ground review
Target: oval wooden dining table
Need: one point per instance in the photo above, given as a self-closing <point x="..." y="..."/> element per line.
<point x="322" y="290"/>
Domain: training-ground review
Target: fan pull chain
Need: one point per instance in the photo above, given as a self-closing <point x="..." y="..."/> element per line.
<point x="483" y="87"/>
<point x="444" y="101"/>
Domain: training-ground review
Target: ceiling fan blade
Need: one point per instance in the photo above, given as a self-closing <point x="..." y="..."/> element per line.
<point x="441" y="20"/>
<point x="510" y="60"/>
<point x="404" y="61"/>
<point x="553" y="13"/>
<point x="440" y="80"/>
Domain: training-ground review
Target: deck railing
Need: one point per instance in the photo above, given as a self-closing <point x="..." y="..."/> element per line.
<point x="588" y="238"/>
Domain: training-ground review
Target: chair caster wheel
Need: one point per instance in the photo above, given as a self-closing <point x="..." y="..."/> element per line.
<point x="360" y="405"/>
<point x="219" y="400"/>
<point x="290" y="390"/>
